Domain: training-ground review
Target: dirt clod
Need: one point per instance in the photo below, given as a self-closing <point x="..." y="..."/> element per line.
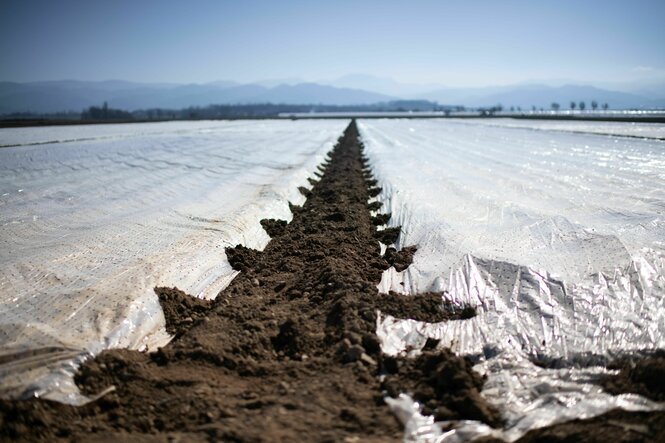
<point x="274" y="227"/>
<point x="388" y="236"/>
<point x="242" y="258"/>
<point x="181" y="310"/>
<point x="400" y="260"/>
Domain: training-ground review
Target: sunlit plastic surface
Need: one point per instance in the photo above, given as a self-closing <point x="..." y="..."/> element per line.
<point x="557" y="237"/>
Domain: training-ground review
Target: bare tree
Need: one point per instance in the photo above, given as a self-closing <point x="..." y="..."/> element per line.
<point x="582" y="106"/>
<point x="605" y="106"/>
<point x="573" y="105"/>
<point x="594" y="105"/>
<point x="555" y="106"/>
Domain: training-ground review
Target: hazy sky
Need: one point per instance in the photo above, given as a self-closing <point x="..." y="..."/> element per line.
<point x="457" y="43"/>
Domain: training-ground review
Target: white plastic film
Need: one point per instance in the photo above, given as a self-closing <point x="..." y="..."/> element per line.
<point x="92" y="218"/>
<point x="627" y="129"/>
<point x="557" y="237"/>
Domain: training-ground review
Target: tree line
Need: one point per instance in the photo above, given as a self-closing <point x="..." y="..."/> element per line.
<point x="555" y="106"/>
<point x="259" y="110"/>
<point x="581" y="105"/>
<point x="105" y="113"/>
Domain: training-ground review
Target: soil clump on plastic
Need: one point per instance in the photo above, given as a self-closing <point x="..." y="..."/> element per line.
<point x="288" y="352"/>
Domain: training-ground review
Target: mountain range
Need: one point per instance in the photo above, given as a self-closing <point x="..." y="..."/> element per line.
<point x="71" y="95"/>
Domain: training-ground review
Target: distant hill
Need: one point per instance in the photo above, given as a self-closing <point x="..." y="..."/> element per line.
<point x="313" y="93"/>
<point x="382" y="85"/>
<point x="636" y="95"/>
<point x="70" y="95"/>
<point x="57" y="96"/>
<point x="526" y="96"/>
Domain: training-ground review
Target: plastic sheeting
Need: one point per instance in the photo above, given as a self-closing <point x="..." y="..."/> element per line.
<point x="627" y="129"/>
<point x="558" y="240"/>
<point x="94" y="217"/>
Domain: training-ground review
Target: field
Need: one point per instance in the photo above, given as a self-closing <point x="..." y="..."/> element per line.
<point x="520" y="262"/>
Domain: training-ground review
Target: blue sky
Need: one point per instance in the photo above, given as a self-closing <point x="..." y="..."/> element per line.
<point x="455" y="43"/>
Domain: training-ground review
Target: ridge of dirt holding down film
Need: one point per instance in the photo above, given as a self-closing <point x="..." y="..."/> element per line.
<point x="641" y="374"/>
<point x="644" y="376"/>
<point x="288" y="352"/>
<point x="616" y="426"/>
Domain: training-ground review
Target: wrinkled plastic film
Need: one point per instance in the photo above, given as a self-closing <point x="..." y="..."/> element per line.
<point x="93" y="218"/>
<point x="556" y="237"/>
<point x="625" y="129"/>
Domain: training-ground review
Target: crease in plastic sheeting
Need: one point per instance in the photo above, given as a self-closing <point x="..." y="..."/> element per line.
<point x="506" y="338"/>
<point x="423" y="429"/>
<point x="419" y="428"/>
<point x="626" y="129"/>
<point x="566" y="274"/>
<point x="81" y="277"/>
<point x="142" y="328"/>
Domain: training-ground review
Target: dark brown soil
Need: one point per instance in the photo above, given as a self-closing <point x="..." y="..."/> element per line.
<point x="443" y="383"/>
<point x="400" y="260"/>
<point x="180" y="310"/>
<point x="615" y="426"/>
<point x="644" y="376"/>
<point x="288" y="352"/>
